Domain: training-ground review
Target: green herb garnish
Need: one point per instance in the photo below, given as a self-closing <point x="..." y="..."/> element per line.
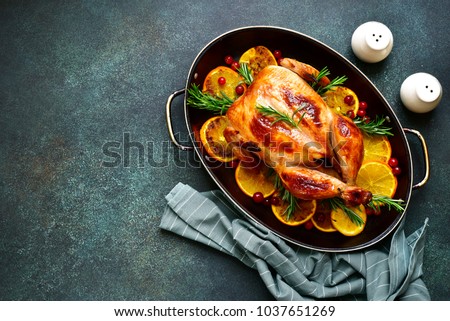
<point x="286" y="197"/>
<point x="200" y="100"/>
<point x="380" y="200"/>
<point x="373" y="127"/>
<point x="246" y="74"/>
<point x="337" y="203"/>
<point x="338" y="81"/>
<point x="279" y="116"/>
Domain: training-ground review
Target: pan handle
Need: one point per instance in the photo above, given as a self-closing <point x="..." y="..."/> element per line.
<point x="425" y="157"/>
<point x="169" y="119"/>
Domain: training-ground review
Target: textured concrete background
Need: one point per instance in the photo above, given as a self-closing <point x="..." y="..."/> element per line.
<point x="75" y="75"/>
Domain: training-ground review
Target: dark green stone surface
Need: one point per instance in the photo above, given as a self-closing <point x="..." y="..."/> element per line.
<point x="75" y="75"/>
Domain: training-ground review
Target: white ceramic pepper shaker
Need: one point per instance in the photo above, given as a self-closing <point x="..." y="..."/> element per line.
<point x="421" y="92"/>
<point x="372" y="42"/>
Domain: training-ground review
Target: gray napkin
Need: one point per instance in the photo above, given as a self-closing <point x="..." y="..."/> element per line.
<point x="294" y="273"/>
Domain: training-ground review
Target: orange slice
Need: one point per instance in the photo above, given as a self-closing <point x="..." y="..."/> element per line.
<point x="215" y="144"/>
<point x="304" y="211"/>
<point x="376" y="148"/>
<point x="257" y="58"/>
<point x="337" y="101"/>
<point x="214" y="87"/>
<point x="343" y="224"/>
<point x="254" y="177"/>
<point x="378" y="178"/>
<point x="322" y="219"/>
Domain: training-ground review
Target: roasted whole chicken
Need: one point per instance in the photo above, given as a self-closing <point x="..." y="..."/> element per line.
<point x="318" y="158"/>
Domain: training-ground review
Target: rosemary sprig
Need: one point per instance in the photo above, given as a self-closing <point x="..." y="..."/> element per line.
<point x="338" y="81"/>
<point x="287" y="197"/>
<point x="373" y="127"/>
<point x="279" y="116"/>
<point x="200" y="100"/>
<point x="380" y="200"/>
<point x="245" y="73"/>
<point x="316" y="79"/>
<point x="337" y="203"/>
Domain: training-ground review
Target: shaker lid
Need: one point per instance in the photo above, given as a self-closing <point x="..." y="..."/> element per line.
<point x="428" y="88"/>
<point x="378" y="36"/>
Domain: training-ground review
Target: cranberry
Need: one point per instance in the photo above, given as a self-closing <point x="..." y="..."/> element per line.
<point x="366" y="119"/>
<point x="266" y="201"/>
<point x="396" y="170"/>
<point x="277" y="54"/>
<point x="393" y="162"/>
<point x="274" y="200"/>
<point x="351" y="114"/>
<point x="308" y="225"/>
<point x="235" y="65"/>
<point x="229" y="60"/>
<point x="361" y="112"/>
<point x="239" y="90"/>
<point x="258" y="197"/>
<point x="349" y="100"/>
<point x="362" y="105"/>
<point x="222" y="81"/>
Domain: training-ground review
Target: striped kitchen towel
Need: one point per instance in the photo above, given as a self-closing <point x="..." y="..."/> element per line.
<point x="384" y="272"/>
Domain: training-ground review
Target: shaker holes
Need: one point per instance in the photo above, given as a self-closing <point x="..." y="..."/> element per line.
<point x="379" y="36"/>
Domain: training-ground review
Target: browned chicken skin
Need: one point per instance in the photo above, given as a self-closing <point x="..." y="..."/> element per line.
<point x="298" y="153"/>
<point x="307" y="72"/>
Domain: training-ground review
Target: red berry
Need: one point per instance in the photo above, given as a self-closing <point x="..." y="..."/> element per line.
<point x="235" y="65"/>
<point x="349" y="100"/>
<point x="222" y="81"/>
<point x="308" y="225"/>
<point x="366" y="119"/>
<point x="239" y="90"/>
<point x="277" y="54"/>
<point x="351" y="114"/>
<point x="393" y="162"/>
<point x="361" y="112"/>
<point x="258" y="197"/>
<point x="362" y="105"/>
<point x="266" y="201"/>
<point x="229" y="60"/>
<point x="396" y="171"/>
<point x="274" y="200"/>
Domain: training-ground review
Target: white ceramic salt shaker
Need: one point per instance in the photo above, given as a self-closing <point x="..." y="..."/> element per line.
<point x="421" y="92"/>
<point x="372" y="42"/>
